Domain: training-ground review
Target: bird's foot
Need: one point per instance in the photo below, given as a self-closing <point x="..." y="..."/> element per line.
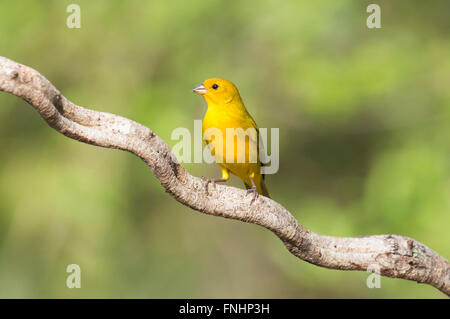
<point x="255" y="193"/>
<point x="212" y="181"/>
<point x="207" y="182"/>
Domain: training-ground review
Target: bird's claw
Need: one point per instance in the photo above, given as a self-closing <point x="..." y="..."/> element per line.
<point x="255" y="193"/>
<point x="208" y="181"/>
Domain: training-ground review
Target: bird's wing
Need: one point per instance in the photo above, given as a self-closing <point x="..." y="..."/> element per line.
<point x="258" y="142"/>
<point x="255" y="140"/>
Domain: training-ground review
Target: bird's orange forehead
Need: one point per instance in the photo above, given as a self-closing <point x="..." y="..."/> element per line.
<point x="219" y="82"/>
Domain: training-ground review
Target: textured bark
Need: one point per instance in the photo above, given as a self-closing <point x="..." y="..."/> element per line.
<point x="395" y="256"/>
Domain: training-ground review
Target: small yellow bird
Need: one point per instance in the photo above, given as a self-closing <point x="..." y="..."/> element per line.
<point x="226" y="110"/>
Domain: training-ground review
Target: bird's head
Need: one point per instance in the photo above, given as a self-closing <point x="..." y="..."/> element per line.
<point x="217" y="91"/>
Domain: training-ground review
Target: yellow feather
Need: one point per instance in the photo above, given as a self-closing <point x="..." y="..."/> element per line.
<point x="226" y="110"/>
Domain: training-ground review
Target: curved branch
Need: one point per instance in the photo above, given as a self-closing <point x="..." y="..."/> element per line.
<point x="392" y="255"/>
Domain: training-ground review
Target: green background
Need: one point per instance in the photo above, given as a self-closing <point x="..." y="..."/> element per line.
<point x="364" y="118"/>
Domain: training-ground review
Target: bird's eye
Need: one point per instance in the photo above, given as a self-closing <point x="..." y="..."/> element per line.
<point x="215" y="86"/>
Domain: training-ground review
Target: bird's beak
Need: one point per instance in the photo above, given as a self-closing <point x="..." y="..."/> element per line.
<point x="200" y="89"/>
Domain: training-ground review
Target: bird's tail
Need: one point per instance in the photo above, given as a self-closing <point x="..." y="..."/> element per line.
<point x="264" y="190"/>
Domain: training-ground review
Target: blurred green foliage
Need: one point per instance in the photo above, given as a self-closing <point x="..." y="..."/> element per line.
<point x="364" y="118"/>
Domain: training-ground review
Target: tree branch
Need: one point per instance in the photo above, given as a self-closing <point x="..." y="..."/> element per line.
<point x="395" y="256"/>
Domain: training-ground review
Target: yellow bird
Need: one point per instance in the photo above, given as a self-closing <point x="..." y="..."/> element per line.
<point x="227" y="111"/>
